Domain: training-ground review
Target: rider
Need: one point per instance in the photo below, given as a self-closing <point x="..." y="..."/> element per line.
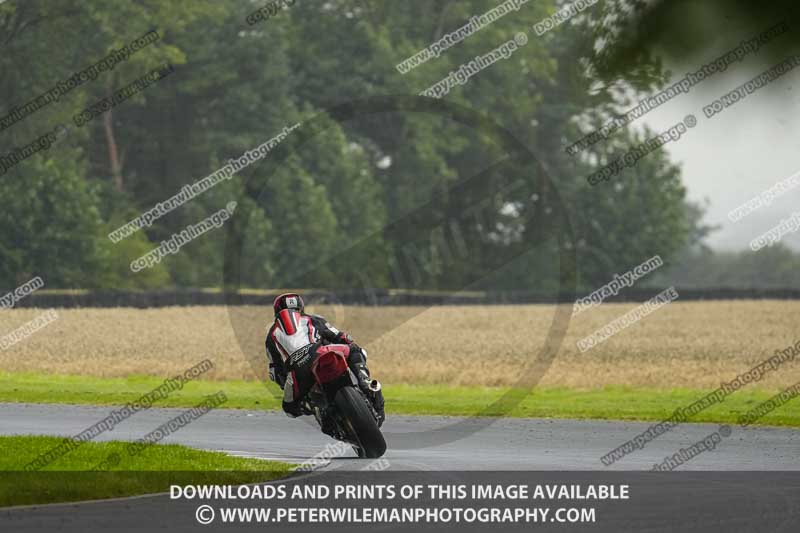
<point x="293" y="342"/>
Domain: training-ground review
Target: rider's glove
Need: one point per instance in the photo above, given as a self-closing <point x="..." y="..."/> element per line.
<point x="273" y="375"/>
<point x="345" y="338"/>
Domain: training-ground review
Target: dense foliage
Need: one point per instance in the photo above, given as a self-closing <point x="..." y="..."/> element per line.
<point x="366" y="199"/>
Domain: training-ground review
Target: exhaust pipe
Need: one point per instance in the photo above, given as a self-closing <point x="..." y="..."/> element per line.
<point x="374" y="385"/>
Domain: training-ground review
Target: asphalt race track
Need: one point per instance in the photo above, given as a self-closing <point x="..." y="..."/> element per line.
<point x="429" y="442"/>
<point x="729" y="495"/>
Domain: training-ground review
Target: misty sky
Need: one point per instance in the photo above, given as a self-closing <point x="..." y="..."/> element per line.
<point x="744" y="150"/>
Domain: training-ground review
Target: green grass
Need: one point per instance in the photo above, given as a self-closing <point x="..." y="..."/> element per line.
<point x="612" y="403"/>
<point x="106" y="470"/>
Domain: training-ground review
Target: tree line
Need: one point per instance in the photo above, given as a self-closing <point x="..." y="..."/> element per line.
<point x="377" y="186"/>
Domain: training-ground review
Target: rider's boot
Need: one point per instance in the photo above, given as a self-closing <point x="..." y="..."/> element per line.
<point x="371" y="388"/>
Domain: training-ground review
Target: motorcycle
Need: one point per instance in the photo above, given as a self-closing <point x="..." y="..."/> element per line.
<point x="337" y="398"/>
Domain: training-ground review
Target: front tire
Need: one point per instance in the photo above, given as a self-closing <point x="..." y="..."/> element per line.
<point x="353" y="407"/>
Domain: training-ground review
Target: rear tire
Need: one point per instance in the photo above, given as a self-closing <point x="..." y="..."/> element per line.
<point x="353" y="407"/>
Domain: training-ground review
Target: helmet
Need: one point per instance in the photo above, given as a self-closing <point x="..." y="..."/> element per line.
<point x="288" y="300"/>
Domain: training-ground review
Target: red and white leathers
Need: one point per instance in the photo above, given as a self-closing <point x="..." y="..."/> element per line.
<point x="292" y="343"/>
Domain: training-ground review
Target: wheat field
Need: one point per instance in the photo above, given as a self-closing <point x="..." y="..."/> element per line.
<point x="683" y="344"/>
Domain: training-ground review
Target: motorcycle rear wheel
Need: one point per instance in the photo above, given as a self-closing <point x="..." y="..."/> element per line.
<point x="353" y="407"/>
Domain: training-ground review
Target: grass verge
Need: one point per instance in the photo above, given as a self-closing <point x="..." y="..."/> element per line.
<point x="612" y="403"/>
<point x="106" y="470"/>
